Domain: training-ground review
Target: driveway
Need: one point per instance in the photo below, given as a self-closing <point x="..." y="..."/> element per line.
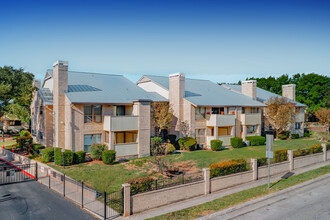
<point x="31" y="200"/>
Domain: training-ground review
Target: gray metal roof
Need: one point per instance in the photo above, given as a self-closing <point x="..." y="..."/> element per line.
<point x="207" y="93"/>
<point x="104" y="88"/>
<point x="263" y="95"/>
<point x="46" y="96"/>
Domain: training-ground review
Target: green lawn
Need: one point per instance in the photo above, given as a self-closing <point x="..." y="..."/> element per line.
<point x="243" y="196"/>
<point x="8" y="144"/>
<point x="110" y="177"/>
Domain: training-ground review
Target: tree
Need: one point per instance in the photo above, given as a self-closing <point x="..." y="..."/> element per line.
<point x="162" y="115"/>
<point x="323" y="115"/>
<point x="185" y="128"/>
<point x="280" y="113"/>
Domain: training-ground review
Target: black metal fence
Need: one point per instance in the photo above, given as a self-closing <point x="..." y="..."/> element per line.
<point x="166" y="182"/>
<point x="10" y="173"/>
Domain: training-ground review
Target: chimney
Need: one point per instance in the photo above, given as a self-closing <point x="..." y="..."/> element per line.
<point x="60" y="84"/>
<point x="36" y="83"/>
<point x="176" y="93"/>
<point x="249" y="88"/>
<point x="289" y="91"/>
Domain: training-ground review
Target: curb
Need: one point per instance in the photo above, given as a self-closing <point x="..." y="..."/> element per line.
<point x="258" y="200"/>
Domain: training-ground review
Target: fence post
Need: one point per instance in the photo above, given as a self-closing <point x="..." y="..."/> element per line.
<point x="48" y="181"/>
<point x="105" y="205"/>
<point x="207" y="181"/>
<point x="36" y="176"/>
<point x="82" y="194"/>
<point x="64" y="185"/>
<point x="324" y="147"/>
<point x="254" y="166"/>
<point x="127" y="199"/>
<point x="290" y="157"/>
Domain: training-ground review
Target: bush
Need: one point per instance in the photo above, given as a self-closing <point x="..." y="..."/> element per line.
<point x="281" y="155"/>
<point x="301" y="152"/>
<point x="96" y="151"/>
<point x="283" y="135"/>
<point x="48" y="154"/>
<point x="236" y="142"/>
<point x="262" y="161"/>
<point x="216" y="145"/>
<point x="227" y="167"/>
<point x="68" y="157"/>
<point x="24" y="133"/>
<point x="187" y="143"/>
<point x="169" y="148"/>
<point x="24" y="141"/>
<point x="172" y="138"/>
<point x="38" y="147"/>
<point x="307" y="134"/>
<point x="79" y="157"/>
<point x="328" y="146"/>
<point x="316" y="148"/>
<point x="156" y="146"/>
<point x="140" y="184"/>
<point x="295" y="136"/>
<point x="256" y="140"/>
<point x="108" y="156"/>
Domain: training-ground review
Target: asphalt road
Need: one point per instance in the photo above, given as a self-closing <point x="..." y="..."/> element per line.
<point x="31" y="200"/>
<point x="310" y="202"/>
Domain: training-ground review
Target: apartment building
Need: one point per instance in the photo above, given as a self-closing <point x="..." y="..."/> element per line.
<point x="74" y="110"/>
<point x="261" y="95"/>
<point x="211" y="111"/>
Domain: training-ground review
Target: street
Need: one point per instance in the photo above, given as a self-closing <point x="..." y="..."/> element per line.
<point x="310" y="202"/>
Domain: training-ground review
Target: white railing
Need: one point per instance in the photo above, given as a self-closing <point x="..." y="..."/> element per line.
<point x="126" y="149"/>
<point x="251" y="118"/>
<point x="120" y="123"/>
<point x="221" y="120"/>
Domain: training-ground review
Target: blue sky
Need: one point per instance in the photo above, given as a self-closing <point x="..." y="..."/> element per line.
<point x="224" y="41"/>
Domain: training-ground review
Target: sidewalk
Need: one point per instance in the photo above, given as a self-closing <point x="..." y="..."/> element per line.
<point x="203" y="199"/>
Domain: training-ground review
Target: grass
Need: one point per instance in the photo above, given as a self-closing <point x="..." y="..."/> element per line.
<point x="243" y="196"/>
<point x="109" y="178"/>
<point x="8" y="144"/>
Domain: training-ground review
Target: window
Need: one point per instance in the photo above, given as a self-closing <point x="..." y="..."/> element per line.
<point x="41" y="110"/>
<point x="125" y="137"/>
<point x="243" y="110"/>
<point x="254" y="110"/>
<point x="120" y="110"/>
<point x="200" y="113"/>
<point x="252" y="129"/>
<point x="223" y="131"/>
<point x="90" y="140"/>
<point x="200" y="137"/>
<point x="298" y="125"/>
<point x="215" y="111"/>
<point x="93" y="113"/>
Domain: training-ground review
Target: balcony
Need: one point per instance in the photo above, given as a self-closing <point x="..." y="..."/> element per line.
<point x="221" y="120"/>
<point x="300" y="117"/>
<point x="120" y="123"/>
<point x="127" y="149"/>
<point x="251" y="118"/>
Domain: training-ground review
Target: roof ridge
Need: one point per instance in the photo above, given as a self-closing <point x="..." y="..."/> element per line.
<point x="107" y="74"/>
<point x="185" y="77"/>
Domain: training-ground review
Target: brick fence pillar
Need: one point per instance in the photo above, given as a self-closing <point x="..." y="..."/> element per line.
<point x="127" y="199"/>
<point x="324" y="147"/>
<point x="206" y="174"/>
<point x="290" y="158"/>
<point x="254" y="166"/>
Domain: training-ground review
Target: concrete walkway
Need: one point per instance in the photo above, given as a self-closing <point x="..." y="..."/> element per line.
<point x="207" y="198"/>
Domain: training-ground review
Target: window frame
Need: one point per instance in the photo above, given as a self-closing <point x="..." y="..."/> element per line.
<point x="199" y="114"/>
<point x="92" y="118"/>
<point x="93" y="142"/>
<point x="134" y="133"/>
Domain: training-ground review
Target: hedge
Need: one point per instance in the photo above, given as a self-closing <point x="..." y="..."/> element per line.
<point x="79" y="157"/>
<point x="316" y="148"/>
<point x="216" y="145"/>
<point x="140" y="184"/>
<point x="284" y="135"/>
<point x="96" y="151"/>
<point x="301" y="152"/>
<point x="262" y="161"/>
<point x="236" y="142"/>
<point x="256" y="140"/>
<point x="169" y="148"/>
<point x="48" y="154"/>
<point x="24" y="133"/>
<point x="68" y="157"/>
<point x="307" y="134"/>
<point x="108" y="156"/>
<point x="227" y="167"/>
<point x="295" y="136"/>
<point x="24" y="141"/>
<point x="38" y="147"/>
<point x="187" y="143"/>
<point x="281" y="155"/>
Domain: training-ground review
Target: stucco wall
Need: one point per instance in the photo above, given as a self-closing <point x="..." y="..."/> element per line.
<point x="308" y="160"/>
<point x="223" y="182"/>
<point x="275" y="168"/>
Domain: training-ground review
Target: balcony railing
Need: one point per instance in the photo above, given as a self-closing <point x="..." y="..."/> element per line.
<point x="251" y="118"/>
<point x="300" y="117"/>
<point x="221" y="120"/>
<point x="120" y="123"/>
<point x="126" y="149"/>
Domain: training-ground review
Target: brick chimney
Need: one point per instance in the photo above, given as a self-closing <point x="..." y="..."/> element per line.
<point x="176" y="93"/>
<point x="60" y="84"/>
<point x="249" y="88"/>
<point x="289" y="91"/>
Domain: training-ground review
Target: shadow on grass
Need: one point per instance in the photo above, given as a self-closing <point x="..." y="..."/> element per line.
<point x="284" y="177"/>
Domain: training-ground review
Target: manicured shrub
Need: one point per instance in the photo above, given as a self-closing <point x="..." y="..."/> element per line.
<point x="281" y="155"/>
<point x="295" y="136"/>
<point x="256" y="140"/>
<point x="262" y="161"/>
<point x="283" y="135"/>
<point x="169" y="148"/>
<point x="216" y="145"/>
<point x="227" y="167"/>
<point x="24" y="141"/>
<point x="24" y="133"/>
<point x="236" y="142"/>
<point x="108" y="156"/>
<point x="38" y="147"/>
<point x="307" y="134"/>
<point x="48" y="154"/>
<point x="316" y="148"/>
<point x="68" y="157"/>
<point x="301" y="152"/>
<point x="79" y="157"/>
<point x="187" y="143"/>
<point x="156" y="146"/>
<point x="140" y="184"/>
<point x="96" y="151"/>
